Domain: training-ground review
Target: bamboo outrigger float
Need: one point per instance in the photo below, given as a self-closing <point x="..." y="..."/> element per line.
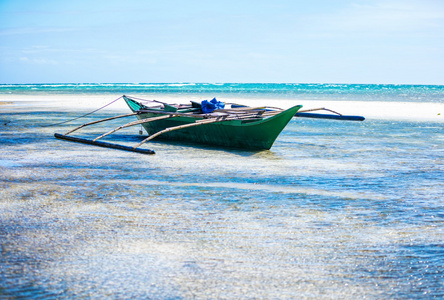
<point x="252" y="128"/>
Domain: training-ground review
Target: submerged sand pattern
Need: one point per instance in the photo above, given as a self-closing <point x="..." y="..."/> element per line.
<point x="333" y="210"/>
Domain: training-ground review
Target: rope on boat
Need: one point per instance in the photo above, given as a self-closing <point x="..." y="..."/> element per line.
<point x="146" y="100"/>
<point x="87" y="114"/>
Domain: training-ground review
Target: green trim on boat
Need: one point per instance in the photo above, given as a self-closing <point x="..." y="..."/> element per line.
<point x="133" y="105"/>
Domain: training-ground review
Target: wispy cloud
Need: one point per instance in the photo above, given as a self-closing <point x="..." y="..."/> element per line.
<point x="126" y="59"/>
<point x="396" y="15"/>
<point x="34" y="30"/>
<point x="48" y="50"/>
<point x="383" y="17"/>
<point x="38" y="61"/>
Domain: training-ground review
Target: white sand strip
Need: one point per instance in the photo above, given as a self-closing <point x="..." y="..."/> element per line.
<point x="413" y="111"/>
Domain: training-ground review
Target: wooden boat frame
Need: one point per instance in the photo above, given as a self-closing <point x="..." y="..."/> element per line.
<point x="253" y="128"/>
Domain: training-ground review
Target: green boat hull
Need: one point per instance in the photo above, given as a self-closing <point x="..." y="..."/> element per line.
<point x="252" y="134"/>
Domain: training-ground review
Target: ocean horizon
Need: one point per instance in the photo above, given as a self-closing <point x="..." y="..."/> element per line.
<point x="314" y="91"/>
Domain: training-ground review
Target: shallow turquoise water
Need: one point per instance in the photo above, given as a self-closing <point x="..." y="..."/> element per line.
<point x="352" y="92"/>
<point x="334" y="210"/>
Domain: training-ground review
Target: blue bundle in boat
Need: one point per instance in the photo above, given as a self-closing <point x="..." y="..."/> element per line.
<point x="210" y="106"/>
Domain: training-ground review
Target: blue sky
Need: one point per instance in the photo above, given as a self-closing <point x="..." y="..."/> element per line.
<point x="316" y="41"/>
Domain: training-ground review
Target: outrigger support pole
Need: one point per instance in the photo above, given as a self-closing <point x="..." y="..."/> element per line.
<point x="147" y="120"/>
<point x="103" y="144"/>
<point x="335" y="116"/>
<point x="99" y="121"/>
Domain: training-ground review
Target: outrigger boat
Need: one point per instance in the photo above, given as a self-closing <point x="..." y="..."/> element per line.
<point x="209" y="123"/>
